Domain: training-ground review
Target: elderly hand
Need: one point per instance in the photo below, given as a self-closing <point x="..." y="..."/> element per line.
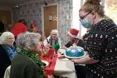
<point x="48" y="46"/>
<point x="43" y="51"/>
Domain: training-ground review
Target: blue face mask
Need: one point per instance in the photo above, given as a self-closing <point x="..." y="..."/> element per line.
<point x="85" y="23"/>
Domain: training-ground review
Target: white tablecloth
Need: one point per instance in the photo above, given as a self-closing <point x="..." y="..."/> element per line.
<point x="65" y="68"/>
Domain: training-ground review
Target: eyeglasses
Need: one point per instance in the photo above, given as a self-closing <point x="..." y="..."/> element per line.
<point x="81" y="18"/>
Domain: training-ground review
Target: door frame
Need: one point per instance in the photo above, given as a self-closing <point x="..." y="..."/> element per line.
<point x="42" y="10"/>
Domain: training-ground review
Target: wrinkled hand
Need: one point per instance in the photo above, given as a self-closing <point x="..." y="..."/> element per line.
<point x="48" y="45"/>
<point x="43" y="51"/>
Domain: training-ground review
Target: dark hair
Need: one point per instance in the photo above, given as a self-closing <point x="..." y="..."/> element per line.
<point x="23" y="21"/>
<point x="93" y="5"/>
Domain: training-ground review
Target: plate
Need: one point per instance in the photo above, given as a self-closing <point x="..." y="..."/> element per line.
<point x="64" y="59"/>
<point x="45" y="62"/>
<point x="75" y="57"/>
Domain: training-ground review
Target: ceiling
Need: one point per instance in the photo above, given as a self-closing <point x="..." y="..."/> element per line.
<point x="14" y="2"/>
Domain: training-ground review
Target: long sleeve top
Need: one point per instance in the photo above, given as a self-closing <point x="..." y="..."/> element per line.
<point x="24" y="67"/>
<point x="102" y="46"/>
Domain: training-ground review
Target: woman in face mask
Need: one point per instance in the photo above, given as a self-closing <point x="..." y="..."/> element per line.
<point x="101" y="43"/>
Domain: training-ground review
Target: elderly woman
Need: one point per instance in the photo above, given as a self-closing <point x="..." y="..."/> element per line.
<point x="53" y="40"/>
<point x="7" y="51"/>
<point x="26" y="64"/>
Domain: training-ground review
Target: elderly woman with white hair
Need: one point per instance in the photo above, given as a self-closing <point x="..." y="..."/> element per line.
<point x="27" y="64"/>
<point x="53" y="40"/>
<point x="7" y="51"/>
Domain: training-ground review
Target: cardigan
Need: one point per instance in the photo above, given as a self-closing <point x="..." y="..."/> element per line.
<point x="24" y="67"/>
<point x="4" y="61"/>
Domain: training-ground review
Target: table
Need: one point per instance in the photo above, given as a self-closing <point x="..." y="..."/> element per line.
<point x="65" y="68"/>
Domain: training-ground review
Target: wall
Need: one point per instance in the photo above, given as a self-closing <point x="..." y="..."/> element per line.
<point x="32" y="12"/>
<point x="5" y="7"/>
<point x="64" y="18"/>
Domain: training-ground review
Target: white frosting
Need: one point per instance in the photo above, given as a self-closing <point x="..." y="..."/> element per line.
<point x="73" y="51"/>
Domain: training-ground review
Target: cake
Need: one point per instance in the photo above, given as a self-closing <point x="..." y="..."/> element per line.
<point x="75" y="51"/>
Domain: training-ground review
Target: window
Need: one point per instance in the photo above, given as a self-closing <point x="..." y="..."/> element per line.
<point x="75" y="22"/>
<point x="111" y="9"/>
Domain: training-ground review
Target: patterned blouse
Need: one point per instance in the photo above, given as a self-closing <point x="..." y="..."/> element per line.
<point x="102" y="45"/>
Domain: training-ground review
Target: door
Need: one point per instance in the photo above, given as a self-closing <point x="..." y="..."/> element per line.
<point x="5" y="17"/>
<point x="50" y="19"/>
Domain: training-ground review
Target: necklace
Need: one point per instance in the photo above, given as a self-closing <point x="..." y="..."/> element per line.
<point x="35" y="58"/>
